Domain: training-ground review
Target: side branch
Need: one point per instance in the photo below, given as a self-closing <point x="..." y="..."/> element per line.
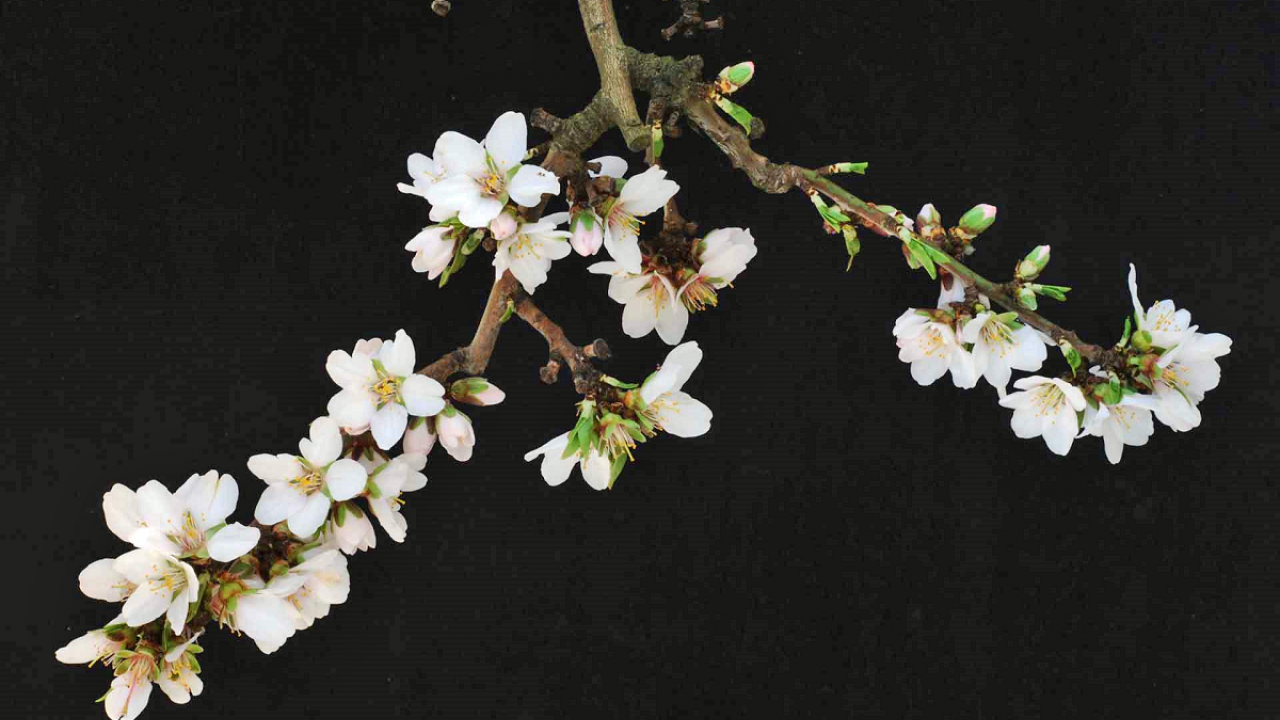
<point x="474" y="358"/>
<point x="585" y="375"/>
<point x="610" y="53"/>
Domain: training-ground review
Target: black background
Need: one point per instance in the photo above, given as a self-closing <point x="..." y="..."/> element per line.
<point x="200" y="204"/>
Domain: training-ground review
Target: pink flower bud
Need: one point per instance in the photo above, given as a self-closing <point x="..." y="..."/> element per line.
<point x="502" y="226"/>
<point x="420" y="439"/>
<point x="456" y="434"/>
<point x="489" y="396"/>
<point x="432" y="250"/>
<point x="588" y="233"/>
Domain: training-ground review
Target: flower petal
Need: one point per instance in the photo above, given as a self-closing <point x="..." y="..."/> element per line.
<point x="683" y="416"/>
<point x="610" y="166"/>
<point x="388" y="424"/>
<point x="101" y="581"/>
<point x="232" y="541"/>
<point x="423" y="396"/>
<point x="400" y="362"/>
<point x="507" y="140"/>
<point x="325" y="443"/>
<point x="345" y="479"/>
<point x="530" y="183"/>
<point x="647" y="192"/>
<point x="306" y="521"/>
<point x="277" y="503"/>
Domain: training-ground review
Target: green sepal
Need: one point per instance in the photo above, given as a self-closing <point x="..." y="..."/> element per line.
<point x="1142" y="340"/>
<point x="241" y="568"/>
<point x="658" y="143"/>
<point x="618" y="383"/>
<point x="735" y="111"/>
<point x="1124" y="339"/>
<point x="472" y="242"/>
<point x="340" y="515"/>
<point x="372" y="488"/>
<point x="618" y="464"/>
<point x="459" y="259"/>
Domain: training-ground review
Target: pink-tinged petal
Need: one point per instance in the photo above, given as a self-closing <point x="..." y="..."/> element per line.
<point x="126" y="700"/>
<point x="419" y="440"/>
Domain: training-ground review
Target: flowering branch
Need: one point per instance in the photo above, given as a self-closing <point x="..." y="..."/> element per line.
<point x="190" y="569"/>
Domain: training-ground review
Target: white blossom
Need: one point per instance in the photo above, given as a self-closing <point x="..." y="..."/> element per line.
<point x="268" y="619"/>
<point x="380" y="389"/>
<point x="101" y="581"/>
<point x="649" y="302"/>
<point x="503" y="226"/>
<point x="596" y="468"/>
<point x="91" y="647"/>
<point x="932" y="349"/>
<point x="312" y="586"/>
<point x="131" y="689"/>
<point x="667" y="405"/>
<point x="1167" y="324"/>
<point x="300" y="489"/>
<point x="1046" y="407"/>
<point x="420" y="439"/>
<point x="1186" y="374"/>
<point x="528" y="252"/>
<point x="179" y="676"/>
<point x="1125" y="423"/>
<point x="192" y="521"/>
<point x="392" y="478"/>
<point x="998" y="349"/>
<point x="164" y="584"/>
<point x="355" y="534"/>
<point x="426" y="172"/>
<point x="640" y="196"/>
<point x="481" y="176"/>
<point x="456" y="433"/>
<point x="723" y="255"/>
<point x="432" y="250"/>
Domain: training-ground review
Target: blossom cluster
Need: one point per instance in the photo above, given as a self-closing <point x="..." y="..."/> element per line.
<point x="1161" y="368"/>
<point x="478" y="188"/>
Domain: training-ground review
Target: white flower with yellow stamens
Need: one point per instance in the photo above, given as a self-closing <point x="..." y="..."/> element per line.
<point x="528" y="252"/>
<point x="268" y="619"/>
<point x="388" y="479"/>
<point x="723" y="254"/>
<point x="999" y="348"/>
<point x="302" y="488"/>
<point x="1168" y="325"/>
<point x="425" y="173"/>
<point x="1046" y="407"/>
<point x="1128" y="422"/>
<point x="92" y="647"/>
<point x="131" y="689"/>
<point x="164" y="584"/>
<point x="932" y="348"/>
<point x="180" y="672"/>
<point x="1185" y="374"/>
<point x="649" y="301"/>
<point x="596" y="467"/>
<point x="667" y="406"/>
<point x="380" y="389"/>
<point x="640" y="196"/>
<point x="320" y="581"/>
<point x="480" y="177"/>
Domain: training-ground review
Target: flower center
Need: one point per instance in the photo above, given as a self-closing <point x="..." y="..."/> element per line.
<point x="932" y="342"/>
<point x="629" y="223"/>
<point x="190" y="538"/>
<point x="491" y="183"/>
<point x="309" y="483"/>
<point x="997" y="335"/>
<point x="1048" y="400"/>
<point x="386" y="389"/>
<point x="698" y="295"/>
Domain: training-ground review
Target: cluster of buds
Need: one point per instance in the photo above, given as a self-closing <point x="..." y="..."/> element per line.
<point x="1028" y="269"/>
<point x="729" y="81"/>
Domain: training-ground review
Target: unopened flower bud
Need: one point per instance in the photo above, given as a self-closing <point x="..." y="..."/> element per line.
<point x="420" y="438"/>
<point x="1027" y="298"/>
<point x="503" y="226"/>
<point x="476" y="391"/>
<point x="928" y="217"/>
<point x="978" y="219"/>
<point x="588" y="233"/>
<point x="1033" y="264"/>
<point x="735" y="76"/>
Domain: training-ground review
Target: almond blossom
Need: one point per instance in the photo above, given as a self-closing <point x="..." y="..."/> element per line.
<point x="180" y="672"/>
<point x="320" y="581"/>
<point x="1046" y="407"/>
<point x="586" y="225"/>
<point x="301" y="489"/>
<point x="456" y="433"/>
<point x="425" y="173"/>
<point x="268" y="619"/>
<point x="596" y="468"/>
<point x="932" y="349"/>
<point x="649" y="302"/>
<point x="480" y="177"/>
<point x="388" y="479"/>
<point x="1186" y="374"/>
<point x="723" y="254"/>
<point x="433" y="249"/>
<point x="1167" y="324"/>
<point x="1002" y="345"/>
<point x="164" y="585"/>
<point x="528" y="252"/>
<point x="667" y="405"/>
<point x="1127" y="422"/>
<point x="380" y="389"/>
<point x="92" y="647"/>
<point x="640" y="196"/>
<point x="131" y="689"/>
<point x="354" y="533"/>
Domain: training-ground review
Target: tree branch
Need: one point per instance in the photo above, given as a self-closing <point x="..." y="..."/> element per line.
<point x="585" y="375"/>
<point x="607" y="47"/>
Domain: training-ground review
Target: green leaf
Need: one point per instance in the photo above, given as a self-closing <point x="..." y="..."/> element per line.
<point x="850" y="167"/>
<point x="938" y="256"/>
<point x="852" y="244"/>
<point x="618" y="464"/>
<point x="1072" y="356"/>
<point x="1057" y="292"/>
<point x="1124" y="339"/>
<point x="921" y="254"/>
<point x="735" y="111"/>
<point x="618" y="383"/>
<point x="658" y="143"/>
<point x="506" y="314"/>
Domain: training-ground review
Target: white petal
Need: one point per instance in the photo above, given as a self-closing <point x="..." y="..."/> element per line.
<point x="683" y="416"/>
<point x="306" y="521"/>
<point x="555" y="469"/>
<point x="86" y="649"/>
<point x="610" y="166"/>
<point x="623" y="248"/>
<point x="325" y="444"/>
<point x="388" y="424"/>
<point x="232" y="541"/>
<point x="277" y="503"/>
<point x="269" y="620"/>
<point x="101" y="581"/>
<point x="210" y="498"/>
<point x="159" y="508"/>
<point x="150" y="538"/>
<point x="507" y="140"/>
<point x="352" y="408"/>
<point x="126" y="701"/>
<point x="345" y="479"/>
<point x="673" y="317"/>
<point x="349" y="371"/>
<point x="423" y="396"/>
<point x="640" y="316"/>
<point x="1059" y="430"/>
<point x="148" y="602"/>
<point x="274" y="468"/>
<point x="459" y="155"/>
<point x="686" y="357"/>
<point x="647" y="192"/>
<point x="1133" y="293"/>
<point x="596" y="470"/>
<point x="177" y="613"/>
<point x="400" y="363"/>
<point x="530" y="183"/>
<point x="120" y="506"/>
